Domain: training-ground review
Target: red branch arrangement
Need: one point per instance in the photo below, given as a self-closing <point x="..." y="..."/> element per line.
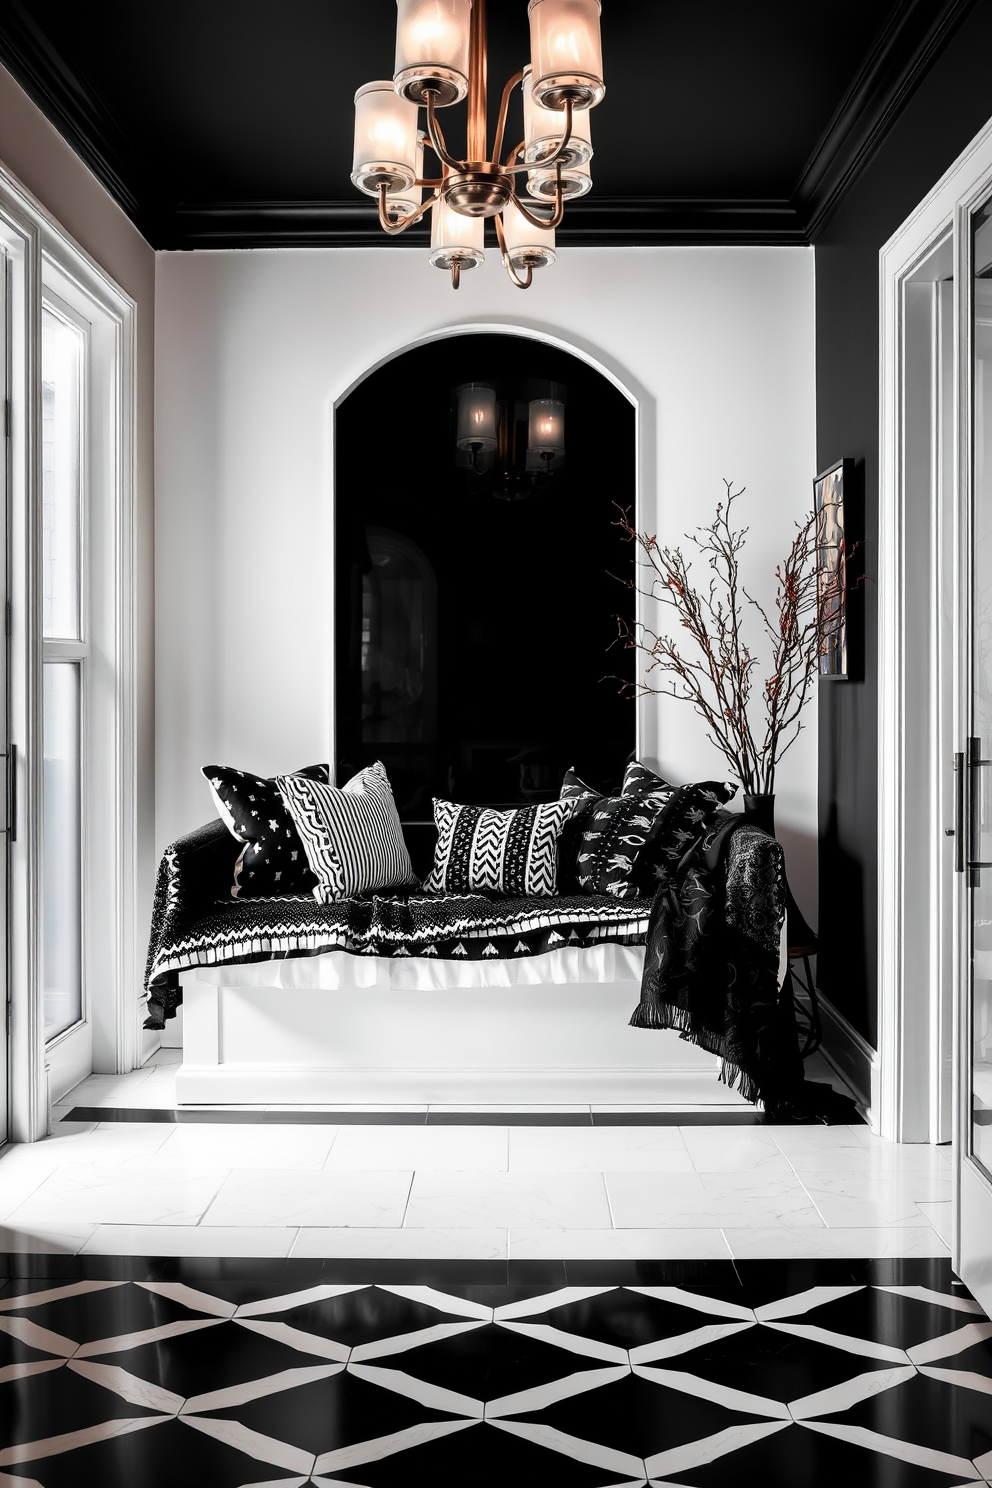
<point x="716" y="674"/>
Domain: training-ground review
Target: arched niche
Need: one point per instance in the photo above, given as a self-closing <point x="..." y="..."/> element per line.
<point x="519" y="674"/>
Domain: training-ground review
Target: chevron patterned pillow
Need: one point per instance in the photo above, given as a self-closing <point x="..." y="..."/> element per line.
<point x="497" y="852"/>
<point x="352" y="837"/>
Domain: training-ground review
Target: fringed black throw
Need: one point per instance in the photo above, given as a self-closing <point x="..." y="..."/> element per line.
<point x="711" y="966"/>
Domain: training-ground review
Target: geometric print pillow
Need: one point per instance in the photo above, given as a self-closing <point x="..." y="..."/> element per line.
<point x="630" y="843"/>
<point x="584" y="796"/>
<point x="352" y="837"/>
<point x="686" y="816"/>
<point x="497" y="852"/>
<point x="272" y="860"/>
<point x="615" y="832"/>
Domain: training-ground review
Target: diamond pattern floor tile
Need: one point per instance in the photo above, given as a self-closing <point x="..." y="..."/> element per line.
<point x="873" y="1373"/>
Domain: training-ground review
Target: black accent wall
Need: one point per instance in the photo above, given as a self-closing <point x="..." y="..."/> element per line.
<point x="951" y="105"/>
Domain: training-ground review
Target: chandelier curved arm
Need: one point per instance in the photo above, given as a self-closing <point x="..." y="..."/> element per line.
<point x="437" y="138"/>
<point x="563" y="143"/>
<point x="557" y="215"/>
<point x="397" y="227"/>
<point x="503" y="110"/>
<point x="514" y="277"/>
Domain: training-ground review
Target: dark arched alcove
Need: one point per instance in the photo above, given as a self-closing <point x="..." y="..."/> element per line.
<point x="474" y="635"/>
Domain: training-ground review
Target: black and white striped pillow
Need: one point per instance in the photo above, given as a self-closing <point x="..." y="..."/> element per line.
<point x="497" y="852"/>
<point x="352" y="836"/>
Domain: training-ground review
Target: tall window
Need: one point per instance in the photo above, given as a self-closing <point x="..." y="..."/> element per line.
<point x="64" y="364"/>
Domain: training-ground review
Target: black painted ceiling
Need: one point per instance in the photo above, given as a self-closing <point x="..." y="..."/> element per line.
<point x="228" y="122"/>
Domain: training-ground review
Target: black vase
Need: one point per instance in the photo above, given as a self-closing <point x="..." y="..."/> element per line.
<point x="800" y="937"/>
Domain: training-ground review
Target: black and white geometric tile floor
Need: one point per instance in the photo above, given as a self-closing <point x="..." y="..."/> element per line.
<point x="134" y="1373"/>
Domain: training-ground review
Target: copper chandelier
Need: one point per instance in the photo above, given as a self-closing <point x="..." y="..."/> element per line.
<point x="440" y="59"/>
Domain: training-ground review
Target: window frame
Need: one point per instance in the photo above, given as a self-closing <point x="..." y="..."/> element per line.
<point x="64" y="649"/>
<point x="43" y="258"/>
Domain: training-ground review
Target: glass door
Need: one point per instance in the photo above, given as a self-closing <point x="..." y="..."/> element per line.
<point x="6" y="753"/>
<point x="973" y="778"/>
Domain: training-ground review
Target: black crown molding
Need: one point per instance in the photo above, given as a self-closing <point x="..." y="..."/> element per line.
<point x="909" y="42"/>
<point x="913" y="36"/>
<point x="75" y="109"/>
<point x="593" y="222"/>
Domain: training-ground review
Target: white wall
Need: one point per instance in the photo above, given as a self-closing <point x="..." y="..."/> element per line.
<point x="253" y="349"/>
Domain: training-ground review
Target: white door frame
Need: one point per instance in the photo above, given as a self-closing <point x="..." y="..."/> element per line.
<point x="39" y="247"/>
<point x="919" y="638"/>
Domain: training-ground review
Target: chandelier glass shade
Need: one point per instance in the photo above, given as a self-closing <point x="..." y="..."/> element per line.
<point x="510" y="441"/>
<point x="441" y="59"/>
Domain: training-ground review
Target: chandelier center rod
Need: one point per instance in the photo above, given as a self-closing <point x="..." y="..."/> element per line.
<point x="477" y="83"/>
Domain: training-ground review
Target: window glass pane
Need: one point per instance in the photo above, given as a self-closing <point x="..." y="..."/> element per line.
<point x="61" y="366"/>
<point x="62" y="882"/>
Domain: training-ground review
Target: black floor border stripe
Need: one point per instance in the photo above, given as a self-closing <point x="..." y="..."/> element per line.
<point x="794" y="1275"/>
<point x="152" y="1115"/>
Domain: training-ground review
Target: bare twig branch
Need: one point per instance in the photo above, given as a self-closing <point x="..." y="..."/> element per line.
<point x="716" y="672"/>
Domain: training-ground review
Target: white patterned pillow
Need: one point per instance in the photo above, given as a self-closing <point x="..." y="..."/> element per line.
<point x="352" y="836"/>
<point x="497" y="852"/>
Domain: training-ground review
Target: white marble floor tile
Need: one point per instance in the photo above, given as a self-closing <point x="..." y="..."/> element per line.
<point x="939" y="1216"/>
<point x="785" y="1242"/>
<point x="60" y="1239"/>
<point x="609" y="1245"/>
<point x="729" y="1149"/>
<point x="190" y="1240"/>
<point x="246" y="1146"/>
<point x="105" y="1195"/>
<point x="159" y="1090"/>
<point x="427" y="1148"/>
<point x="816" y="1138"/>
<point x="113" y="1144"/>
<point x="868" y="1138"/>
<point x="311" y="1198"/>
<point x="18" y="1181"/>
<point x="164" y="1056"/>
<point x="107" y="1090"/>
<point x="916" y="1159"/>
<point x="597" y="1149"/>
<point x="522" y="1200"/>
<point x="859" y="1199"/>
<point x="647" y="1201"/>
<point x="412" y="1244"/>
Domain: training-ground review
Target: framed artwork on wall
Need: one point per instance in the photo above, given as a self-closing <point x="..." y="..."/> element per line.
<point x="831" y="568"/>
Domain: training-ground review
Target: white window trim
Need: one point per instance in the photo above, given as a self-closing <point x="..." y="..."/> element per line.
<point x="42" y="252"/>
<point x="69" y="1053"/>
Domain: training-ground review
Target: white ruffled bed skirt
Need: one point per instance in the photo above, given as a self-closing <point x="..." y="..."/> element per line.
<point x="334" y="970"/>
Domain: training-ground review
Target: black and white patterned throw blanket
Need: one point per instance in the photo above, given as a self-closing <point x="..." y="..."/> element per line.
<point x="195" y="922"/>
<point x="711" y="966"/>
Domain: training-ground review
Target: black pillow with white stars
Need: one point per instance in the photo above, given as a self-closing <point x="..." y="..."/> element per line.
<point x="272" y="860"/>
